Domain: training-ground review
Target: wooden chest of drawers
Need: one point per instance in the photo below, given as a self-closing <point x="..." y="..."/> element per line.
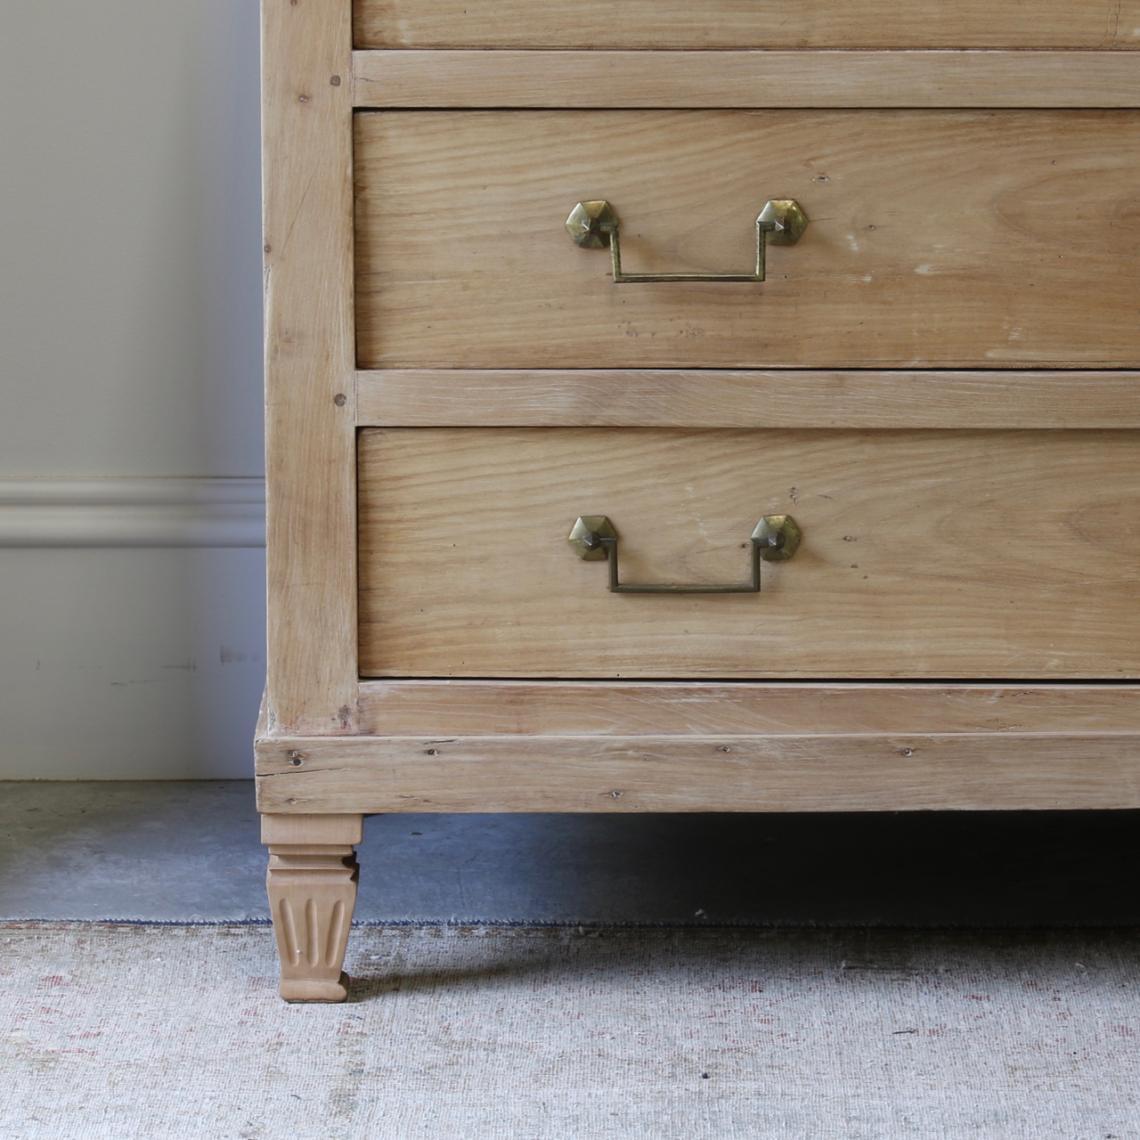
<point x="693" y="411"/>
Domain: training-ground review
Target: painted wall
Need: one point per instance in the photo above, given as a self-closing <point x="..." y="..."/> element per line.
<point x="131" y="613"/>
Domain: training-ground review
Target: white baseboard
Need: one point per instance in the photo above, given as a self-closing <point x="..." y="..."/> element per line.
<point x="148" y="512"/>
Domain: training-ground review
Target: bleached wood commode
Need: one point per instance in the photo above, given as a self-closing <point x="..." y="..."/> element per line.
<point x="827" y="326"/>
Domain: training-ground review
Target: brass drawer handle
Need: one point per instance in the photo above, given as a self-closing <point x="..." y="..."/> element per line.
<point x="594" y="225"/>
<point x="775" y="539"/>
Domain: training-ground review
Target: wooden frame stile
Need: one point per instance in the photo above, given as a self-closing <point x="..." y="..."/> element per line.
<point x="310" y="365"/>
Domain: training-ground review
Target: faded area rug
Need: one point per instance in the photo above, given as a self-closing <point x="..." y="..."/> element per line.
<point x="114" y="1031"/>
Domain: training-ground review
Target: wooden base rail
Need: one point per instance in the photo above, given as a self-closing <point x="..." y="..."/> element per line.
<point x="936" y="771"/>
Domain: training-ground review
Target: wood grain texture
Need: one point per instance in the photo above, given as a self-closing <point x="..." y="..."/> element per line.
<point x="937" y="239"/>
<point x="927" y="554"/>
<point x="309" y="368"/>
<point x="463" y="397"/>
<point x="746" y="23"/>
<point x="745" y="79"/>
<point x="713" y="773"/>
<point x="651" y="708"/>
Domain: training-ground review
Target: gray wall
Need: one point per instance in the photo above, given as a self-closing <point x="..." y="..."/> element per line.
<point x="131" y="625"/>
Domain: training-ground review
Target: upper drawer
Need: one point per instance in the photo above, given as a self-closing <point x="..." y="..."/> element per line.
<point x="936" y="238"/>
<point x="747" y="23"/>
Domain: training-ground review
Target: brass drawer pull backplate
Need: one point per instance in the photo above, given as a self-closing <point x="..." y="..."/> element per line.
<point x="775" y="539"/>
<point x="594" y="225"/>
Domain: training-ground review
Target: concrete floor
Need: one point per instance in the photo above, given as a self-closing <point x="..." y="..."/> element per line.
<point x="178" y="852"/>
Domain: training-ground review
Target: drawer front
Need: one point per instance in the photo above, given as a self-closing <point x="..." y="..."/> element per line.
<point x="935" y="238"/>
<point x="746" y="23"/>
<point x="925" y="554"/>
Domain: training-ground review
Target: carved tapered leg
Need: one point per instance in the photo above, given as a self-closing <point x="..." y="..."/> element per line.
<point x="312" y="893"/>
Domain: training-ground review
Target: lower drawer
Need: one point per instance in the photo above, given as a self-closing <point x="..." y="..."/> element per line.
<point x="924" y="554"/>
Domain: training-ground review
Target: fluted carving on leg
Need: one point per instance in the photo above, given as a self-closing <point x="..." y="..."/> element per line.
<point x="312" y="893"/>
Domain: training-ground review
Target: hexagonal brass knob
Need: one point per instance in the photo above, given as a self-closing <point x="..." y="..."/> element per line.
<point x="787" y="219"/>
<point x="594" y="539"/>
<point x="595" y="225"/>
<point x="591" y="223"/>
<point x="587" y="536"/>
<point x="778" y="537"/>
